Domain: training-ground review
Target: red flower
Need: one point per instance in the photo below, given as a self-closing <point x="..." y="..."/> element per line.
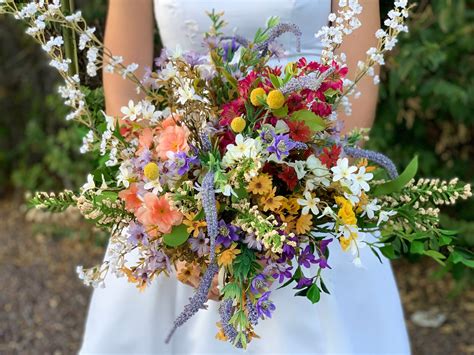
<point x="245" y="84"/>
<point x="288" y="175"/>
<point x="299" y="131"/>
<point x="329" y="156"/>
<point x="226" y="138"/>
<point x="295" y="102"/>
<point x="321" y="109"/>
<point x="231" y="110"/>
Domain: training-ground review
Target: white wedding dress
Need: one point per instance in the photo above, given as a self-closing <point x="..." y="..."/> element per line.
<point x="362" y="315"/>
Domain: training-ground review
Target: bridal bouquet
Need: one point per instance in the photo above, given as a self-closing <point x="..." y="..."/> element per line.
<point x="237" y="168"/>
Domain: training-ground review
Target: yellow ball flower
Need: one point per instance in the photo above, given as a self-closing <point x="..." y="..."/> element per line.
<point x="151" y="171"/>
<point x="275" y="99"/>
<point x="255" y="95"/>
<point x="238" y="124"/>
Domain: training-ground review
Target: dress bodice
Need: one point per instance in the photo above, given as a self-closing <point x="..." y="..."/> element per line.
<point x="182" y="22"/>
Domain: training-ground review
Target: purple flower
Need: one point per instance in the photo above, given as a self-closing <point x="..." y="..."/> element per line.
<point x="281" y="145"/>
<point x="252" y="242"/>
<point x="264" y="306"/>
<point x="199" y="244"/>
<point x="161" y="60"/>
<point x="158" y="261"/>
<point x="323" y="245"/>
<point x="182" y="163"/>
<point x="375" y="157"/>
<point x="306" y="257"/>
<point x="137" y="234"/>
<point x="143" y="159"/>
<point x="227" y="233"/>
<point x="194" y="58"/>
<point x="282" y="272"/>
<point x="303" y="282"/>
<point x="258" y="284"/>
<point x="229" y="48"/>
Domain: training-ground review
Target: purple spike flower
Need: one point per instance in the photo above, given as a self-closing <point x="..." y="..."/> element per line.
<point x="311" y="81"/>
<point x="276" y="32"/>
<point x="225" y="311"/>
<point x="375" y="157"/>
<point x="197" y="301"/>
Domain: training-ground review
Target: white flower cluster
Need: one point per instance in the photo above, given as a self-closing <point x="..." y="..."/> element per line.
<point x="343" y="23"/>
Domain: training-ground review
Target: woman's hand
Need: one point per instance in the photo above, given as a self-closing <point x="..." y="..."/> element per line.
<point x="193" y="279"/>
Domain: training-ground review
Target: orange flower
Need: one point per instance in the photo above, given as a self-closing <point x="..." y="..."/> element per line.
<point x="172" y="139"/>
<point x="271" y="202"/>
<point x="130" y="196"/>
<point x="145" y="140"/>
<point x="170" y="121"/>
<point x="158" y="212"/>
<point x="304" y="223"/>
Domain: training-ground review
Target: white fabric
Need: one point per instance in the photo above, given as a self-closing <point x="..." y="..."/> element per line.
<point x="362" y="315"/>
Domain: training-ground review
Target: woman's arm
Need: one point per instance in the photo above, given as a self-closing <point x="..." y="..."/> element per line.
<point x="355" y="47"/>
<point x="128" y="33"/>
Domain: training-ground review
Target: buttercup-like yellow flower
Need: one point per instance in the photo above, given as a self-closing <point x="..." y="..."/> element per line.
<point x="345" y="243"/>
<point x="188" y="273"/>
<point x="260" y="185"/>
<point x="151" y="171"/>
<point x="291" y="205"/>
<point x="238" y="124"/>
<point x="346" y="213"/>
<point x="255" y="95"/>
<point x="275" y="99"/>
<point x="304" y="223"/>
<point x="228" y="255"/>
<point x="193" y="226"/>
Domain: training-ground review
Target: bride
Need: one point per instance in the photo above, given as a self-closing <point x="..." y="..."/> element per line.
<point x="363" y="315"/>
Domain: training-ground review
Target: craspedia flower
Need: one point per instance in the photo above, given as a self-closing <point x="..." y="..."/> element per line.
<point x="151" y="171"/>
<point x="238" y="124"/>
<point x="275" y="99"/>
<point x="256" y="95"/>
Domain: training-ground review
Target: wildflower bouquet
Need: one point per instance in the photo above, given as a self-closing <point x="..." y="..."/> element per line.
<point x="237" y="168"/>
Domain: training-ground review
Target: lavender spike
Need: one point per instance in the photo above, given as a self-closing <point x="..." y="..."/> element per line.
<point x="375" y="157"/>
<point x="197" y="301"/>
<point x="312" y="81"/>
<point x="225" y="311"/>
<point x="299" y="145"/>
<point x="276" y="32"/>
<point x="239" y="39"/>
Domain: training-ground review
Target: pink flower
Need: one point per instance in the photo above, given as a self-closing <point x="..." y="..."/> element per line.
<point x="158" y="212"/>
<point x="172" y="139"/>
<point x="130" y="196"/>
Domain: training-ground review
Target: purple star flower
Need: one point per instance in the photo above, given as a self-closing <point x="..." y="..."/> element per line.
<point x="303" y="282"/>
<point x="158" y="261"/>
<point x="227" y="234"/>
<point x="143" y="159"/>
<point x="323" y="246"/>
<point x="200" y="244"/>
<point x="281" y="145"/>
<point x="137" y="234"/>
<point x="264" y="306"/>
<point x="306" y="257"/>
<point x="258" y="284"/>
<point x="282" y="272"/>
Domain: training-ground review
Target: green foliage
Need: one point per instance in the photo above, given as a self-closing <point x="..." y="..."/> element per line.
<point x="427" y="97"/>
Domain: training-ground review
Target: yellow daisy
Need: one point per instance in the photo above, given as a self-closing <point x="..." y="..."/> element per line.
<point x="260" y="185"/>
<point x="271" y="202"/>
<point x="193" y="226"/>
<point x="228" y="255"/>
<point x="304" y="223"/>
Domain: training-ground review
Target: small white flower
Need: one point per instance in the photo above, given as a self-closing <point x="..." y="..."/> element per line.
<point x="131" y="111"/>
<point x="309" y="203"/>
<point x="125" y="174"/>
<point x="154" y="185"/>
<point x="243" y="148"/>
<point x="90" y="184"/>
<point x="370" y="208"/>
<point x="359" y="182"/>
<point x="342" y="170"/>
<point x="384" y="216"/>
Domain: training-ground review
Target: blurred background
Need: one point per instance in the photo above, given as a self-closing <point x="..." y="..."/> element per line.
<point x="426" y="107"/>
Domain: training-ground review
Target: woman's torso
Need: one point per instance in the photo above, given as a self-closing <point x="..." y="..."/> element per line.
<point x="182" y="22"/>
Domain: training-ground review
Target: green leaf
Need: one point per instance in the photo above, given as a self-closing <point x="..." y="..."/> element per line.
<point x="397" y="184"/>
<point x="313" y="121"/>
<point x="323" y="287"/>
<point x="232" y="290"/>
<point x="276" y="81"/>
<point x="437" y="256"/>
<point x="281" y="112"/>
<point x="417" y="247"/>
<point x="388" y="252"/>
<point x="177" y="236"/>
<point x="313" y="294"/>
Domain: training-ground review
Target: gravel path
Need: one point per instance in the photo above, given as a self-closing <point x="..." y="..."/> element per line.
<point x="43" y="305"/>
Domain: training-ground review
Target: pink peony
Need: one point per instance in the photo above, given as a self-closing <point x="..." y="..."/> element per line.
<point x="172" y="139"/>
